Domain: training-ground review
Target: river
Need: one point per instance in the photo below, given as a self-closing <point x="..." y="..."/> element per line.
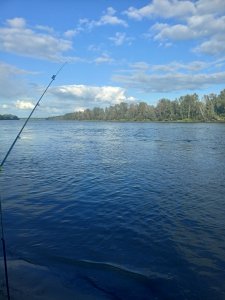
<point x="109" y="210"/>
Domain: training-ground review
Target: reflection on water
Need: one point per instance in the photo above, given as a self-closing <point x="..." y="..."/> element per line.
<point x="116" y="210"/>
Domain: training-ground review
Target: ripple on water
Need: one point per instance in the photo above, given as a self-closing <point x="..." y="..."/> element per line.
<point x="117" y="210"/>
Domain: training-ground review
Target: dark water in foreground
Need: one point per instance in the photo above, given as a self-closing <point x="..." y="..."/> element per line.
<point x="114" y="210"/>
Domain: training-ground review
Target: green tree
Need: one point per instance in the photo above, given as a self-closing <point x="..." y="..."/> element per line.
<point x="220" y="104"/>
<point x="209" y="106"/>
<point x="165" y="110"/>
<point x="190" y="107"/>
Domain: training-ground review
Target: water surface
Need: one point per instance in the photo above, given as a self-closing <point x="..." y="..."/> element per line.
<point x="114" y="210"/>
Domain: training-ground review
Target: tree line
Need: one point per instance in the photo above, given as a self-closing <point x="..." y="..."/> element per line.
<point x="8" y="117"/>
<point x="187" y="108"/>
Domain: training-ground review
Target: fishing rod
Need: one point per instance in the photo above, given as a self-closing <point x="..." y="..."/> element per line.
<point x="2" y="164"/>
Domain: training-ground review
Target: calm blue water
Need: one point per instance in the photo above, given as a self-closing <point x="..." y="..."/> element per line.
<point x="115" y="210"/>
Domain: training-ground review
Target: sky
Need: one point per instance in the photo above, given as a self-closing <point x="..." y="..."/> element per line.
<point x="115" y="51"/>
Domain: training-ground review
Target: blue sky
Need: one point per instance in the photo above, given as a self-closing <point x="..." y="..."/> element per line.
<point x="117" y="51"/>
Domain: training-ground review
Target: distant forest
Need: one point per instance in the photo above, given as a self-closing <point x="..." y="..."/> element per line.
<point x="8" y="117"/>
<point x="187" y="108"/>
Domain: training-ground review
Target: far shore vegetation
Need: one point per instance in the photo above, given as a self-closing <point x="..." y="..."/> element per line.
<point x="8" y="117"/>
<point x="188" y="108"/>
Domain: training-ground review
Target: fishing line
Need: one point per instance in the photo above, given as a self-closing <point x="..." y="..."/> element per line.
<point x="1" y="165"/>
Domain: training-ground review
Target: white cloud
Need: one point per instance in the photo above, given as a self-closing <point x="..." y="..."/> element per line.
<point x="169" y="82"/>
<point x="195" y="27"/>
<point x="95" y="48"/>
<point x="17" y="38"/>
<point x="162" y="8"/>
<point x="8" y="69"/>
<point x="15" y="91"/>
<point x="79" y="108"/>
<point x="213" y="46"/>
<point x="5" y="106"/>
<point x="201" y="20"/>
<point x="175" y="76"/>
<point x="90" y="96"/>
<point x="70" y="98"/>
<point x="108" y="18"/>
<point x="175" y="32"/>
<point x="16" y="22"/>
<point x="176" y="66"/>
<point x="104" y="58"/>
<point x="24" y="104"/>
<point x="45" y="28"/>
<point x="176" y="9"/>
<point x="140" y="66"/>
<point x="208" y="29"/>
<point x="12" y="83"/>
<point x="71" y="33"/>
<point x="210" y="7"/>
<point x="121" y="38"/>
